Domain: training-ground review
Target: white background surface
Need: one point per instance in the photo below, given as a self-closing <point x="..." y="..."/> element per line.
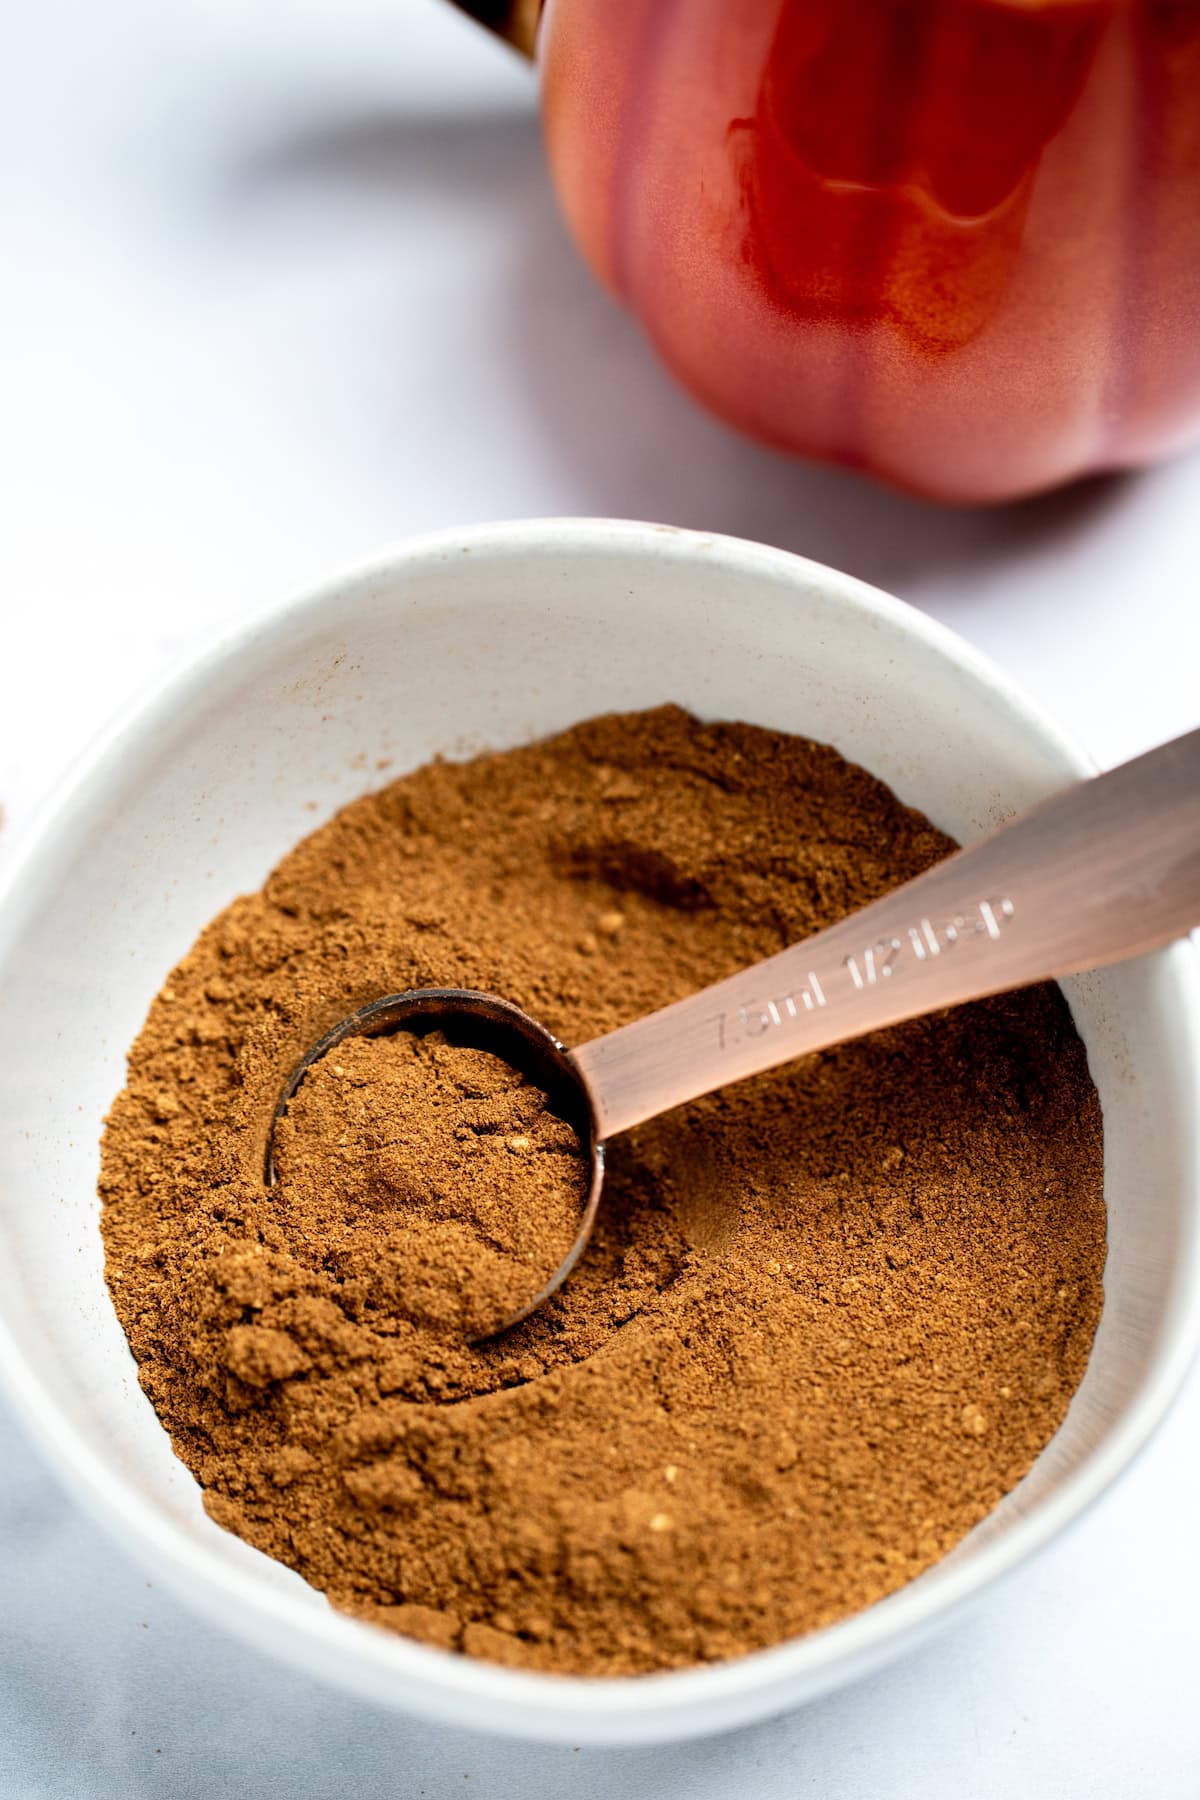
<point x="282" y="283"/>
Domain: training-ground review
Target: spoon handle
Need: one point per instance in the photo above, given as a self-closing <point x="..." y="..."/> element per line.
<point x="1105" y="870"/>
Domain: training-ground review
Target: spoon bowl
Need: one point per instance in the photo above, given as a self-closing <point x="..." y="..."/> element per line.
<point x="484" y="1022"/>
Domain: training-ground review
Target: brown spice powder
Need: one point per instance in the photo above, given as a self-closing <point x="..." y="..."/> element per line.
<point x="435" y="1172"/>
<point x="829" y="1316"/>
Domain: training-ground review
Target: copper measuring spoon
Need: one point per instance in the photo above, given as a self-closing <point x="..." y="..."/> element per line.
<point x="1107" y="869"/>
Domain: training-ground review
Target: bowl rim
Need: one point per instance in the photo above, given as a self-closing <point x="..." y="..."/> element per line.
<point x="678" y="1703"/>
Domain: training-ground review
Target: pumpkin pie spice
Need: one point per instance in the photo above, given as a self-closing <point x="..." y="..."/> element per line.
<point x="828" y="1318"/>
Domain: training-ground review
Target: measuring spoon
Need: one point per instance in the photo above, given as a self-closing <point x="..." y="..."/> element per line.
<point x="1107" y="869"/>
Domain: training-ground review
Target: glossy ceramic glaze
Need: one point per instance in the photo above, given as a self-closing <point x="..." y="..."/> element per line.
<point x="952" y="242"/>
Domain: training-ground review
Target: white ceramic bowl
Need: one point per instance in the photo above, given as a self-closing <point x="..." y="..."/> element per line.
<point x="490" y="637"/>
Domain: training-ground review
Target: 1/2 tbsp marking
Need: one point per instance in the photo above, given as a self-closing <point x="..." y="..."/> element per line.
<point x="866" y="968"/>
<point x="925" y="940"/>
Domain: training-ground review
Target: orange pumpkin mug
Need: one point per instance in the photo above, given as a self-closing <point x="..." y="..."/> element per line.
<point x="955" y="243"/>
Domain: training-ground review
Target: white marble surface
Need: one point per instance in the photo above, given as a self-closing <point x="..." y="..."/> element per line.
<point x="284" y="282"/>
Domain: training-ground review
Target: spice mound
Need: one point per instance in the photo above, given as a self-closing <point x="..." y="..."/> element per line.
<point x="435" y="1175"/>
<point x="828" y="1318"/>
